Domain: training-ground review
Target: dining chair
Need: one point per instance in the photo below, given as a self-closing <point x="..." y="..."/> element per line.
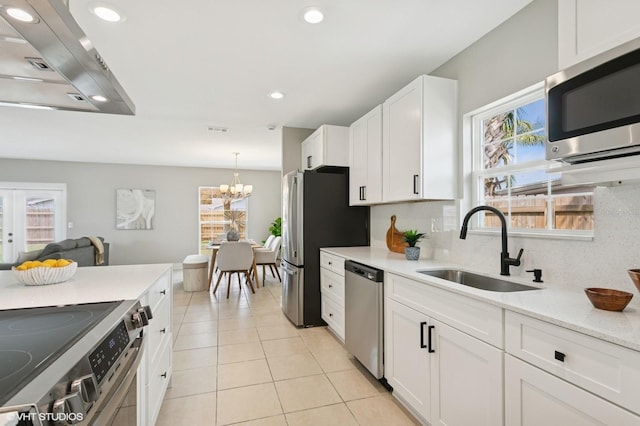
<point x="268" y="257"/>
<point x="234" y="257"/>
<point x="268" y="242"/>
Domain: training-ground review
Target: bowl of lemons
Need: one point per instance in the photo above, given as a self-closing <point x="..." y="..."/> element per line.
<point x="50" y="271"/>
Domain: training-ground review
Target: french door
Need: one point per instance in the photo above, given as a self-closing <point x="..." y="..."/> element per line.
<point x="31" y="216"/>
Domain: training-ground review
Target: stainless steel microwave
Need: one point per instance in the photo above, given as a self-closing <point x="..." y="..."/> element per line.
<point x="593" y="108"/>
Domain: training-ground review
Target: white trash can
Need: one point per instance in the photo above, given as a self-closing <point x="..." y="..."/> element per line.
<point x="195" y="272"/>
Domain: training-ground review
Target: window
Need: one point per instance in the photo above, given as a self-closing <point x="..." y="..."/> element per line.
<point x="510" y="171"/>
<point x="218" y="216"/>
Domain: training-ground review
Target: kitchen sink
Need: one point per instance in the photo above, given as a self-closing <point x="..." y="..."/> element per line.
<point x="478" y="281"/>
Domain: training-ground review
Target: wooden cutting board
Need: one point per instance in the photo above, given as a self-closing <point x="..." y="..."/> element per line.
<point x="395" y="241"/>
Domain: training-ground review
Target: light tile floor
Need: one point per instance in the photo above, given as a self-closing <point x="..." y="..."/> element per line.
<point x="240" y="361"/>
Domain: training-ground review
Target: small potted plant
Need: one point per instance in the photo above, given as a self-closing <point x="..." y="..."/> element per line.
<point x="412" y="236"/>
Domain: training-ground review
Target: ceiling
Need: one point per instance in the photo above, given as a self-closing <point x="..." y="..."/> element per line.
<point x="200" y="64"/>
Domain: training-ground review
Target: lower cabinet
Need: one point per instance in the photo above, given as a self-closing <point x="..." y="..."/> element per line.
<point x="332" y="292"/>
<point x="155" y="369"/>
<point x="445" y="376"/>
<point x="535" y="397"/>
<point x="407" y="364"/>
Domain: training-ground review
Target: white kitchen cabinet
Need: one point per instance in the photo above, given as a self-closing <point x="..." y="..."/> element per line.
<point x="604" y="369"/>
<point x="155" y="369"/>
<point x="407" y="364"/>
<point x="365" y="159"/>
<point x="327" y="146"/>
<point x="443" y="375"/>
<point x="587" y="27"/>
<point x="332" y="292"/>
<point x="466" y="379"/>
<point x="419" y="155"/>
<point x="534" y="397"/>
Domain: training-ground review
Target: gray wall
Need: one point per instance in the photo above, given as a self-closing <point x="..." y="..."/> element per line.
<point x="292" y="138"/>
<point x="91" y="203"/>
<point x="520" y="52"/>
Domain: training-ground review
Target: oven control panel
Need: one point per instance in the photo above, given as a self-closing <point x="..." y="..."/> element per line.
<point x="109" y="350"/>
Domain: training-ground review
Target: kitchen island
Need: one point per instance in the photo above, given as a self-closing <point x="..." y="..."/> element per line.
<point x="88" y="285"/>
<point x="150" y="284"/>
<point x="541" y="356"/>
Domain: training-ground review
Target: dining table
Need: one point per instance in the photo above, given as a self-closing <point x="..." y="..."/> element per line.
<point x="214" y="246"/>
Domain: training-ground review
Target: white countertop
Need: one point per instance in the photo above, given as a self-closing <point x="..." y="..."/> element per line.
<point x="566" y="306"/>
<point x="89" y="284"/>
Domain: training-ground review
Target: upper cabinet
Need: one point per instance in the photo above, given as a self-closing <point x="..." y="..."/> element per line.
<point x="587" y="28"/>
<point x="365" y="159"/>
<point x="327" y="146"/>
<point x="419" y="160"/>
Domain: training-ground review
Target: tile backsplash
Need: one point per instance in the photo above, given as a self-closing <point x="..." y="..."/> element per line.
<point x="600" y="262"/>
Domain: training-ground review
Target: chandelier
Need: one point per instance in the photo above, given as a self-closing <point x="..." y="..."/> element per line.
<point x="236" y="190"/>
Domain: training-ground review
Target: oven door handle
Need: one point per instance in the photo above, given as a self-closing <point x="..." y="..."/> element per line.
<point x="109" y="406"/>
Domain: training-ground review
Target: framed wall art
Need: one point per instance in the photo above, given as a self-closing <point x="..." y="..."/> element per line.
<point x="135" y="208"/>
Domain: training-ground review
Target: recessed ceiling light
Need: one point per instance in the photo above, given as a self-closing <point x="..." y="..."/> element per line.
<point x="21" y="15"/>
<point x="313" y="15"/>
<point x="276" y="95"/>
<point x="106" y="12"/>
<point x="99" y="98"/>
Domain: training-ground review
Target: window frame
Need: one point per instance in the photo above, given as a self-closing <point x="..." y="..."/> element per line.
<point x="224" y="222"/>
<point x="473" y="122"/>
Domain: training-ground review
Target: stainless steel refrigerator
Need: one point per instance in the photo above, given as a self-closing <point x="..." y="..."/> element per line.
<point x="315" y="214"/>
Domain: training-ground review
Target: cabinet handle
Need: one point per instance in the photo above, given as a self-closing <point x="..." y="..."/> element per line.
<point x="422" y="345"/>
<point x="163" y="292"/>
<point x="559" y="356"/>
<point x="431" y="350"/>
<point x="330" y="286"/>
<point x="309" y="161"/>
<point x="331" y="315"/>
<point x="415" y="184"/>
<point x="363" y="193"/>
<point x="164" y="330"/>
<point x="164" y="375"/>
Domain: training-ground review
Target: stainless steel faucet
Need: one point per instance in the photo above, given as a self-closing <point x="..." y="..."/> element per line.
<point x="505" y="260"/>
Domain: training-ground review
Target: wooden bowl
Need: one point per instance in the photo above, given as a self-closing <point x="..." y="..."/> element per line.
<point x="635" y="277"/>
<point x="608" y="299"/>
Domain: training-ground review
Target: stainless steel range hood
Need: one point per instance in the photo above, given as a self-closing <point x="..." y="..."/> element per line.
<point x="51" y="63"/>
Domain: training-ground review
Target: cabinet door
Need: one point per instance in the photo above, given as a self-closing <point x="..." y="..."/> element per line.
<point x="533" y="397"/>
<point x="402" y="143"/>
<point x="407" y="361"/>
<point x="587" y="28"/>
<point x="365" y="159"/>
<point x="333" y="313"/>
<point x="312" y="150"/>
<point x="466" y="379"/>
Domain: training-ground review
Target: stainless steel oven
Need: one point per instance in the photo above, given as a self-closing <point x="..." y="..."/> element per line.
<point x="593" y="108"/>
<point x="73" y="364"/>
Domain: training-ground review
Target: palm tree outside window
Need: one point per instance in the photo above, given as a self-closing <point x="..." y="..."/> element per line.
<point x="510" y="171"/>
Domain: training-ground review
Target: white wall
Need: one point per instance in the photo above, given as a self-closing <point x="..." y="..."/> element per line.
<point x="91" y="203"/>
<point x="515" y="55"/>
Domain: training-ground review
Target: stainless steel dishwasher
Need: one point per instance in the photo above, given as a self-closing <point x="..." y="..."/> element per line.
<point x="363" y="320"/>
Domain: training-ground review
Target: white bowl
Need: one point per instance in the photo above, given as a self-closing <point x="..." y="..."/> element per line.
<point x="43" y="275"/>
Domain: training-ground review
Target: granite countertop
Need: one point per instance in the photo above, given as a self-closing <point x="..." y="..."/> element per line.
<point x="88" y="285"/>
<point x="557" y="303"/>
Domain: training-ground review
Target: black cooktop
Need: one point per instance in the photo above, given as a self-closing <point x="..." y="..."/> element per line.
<point x="31" y="339"/>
